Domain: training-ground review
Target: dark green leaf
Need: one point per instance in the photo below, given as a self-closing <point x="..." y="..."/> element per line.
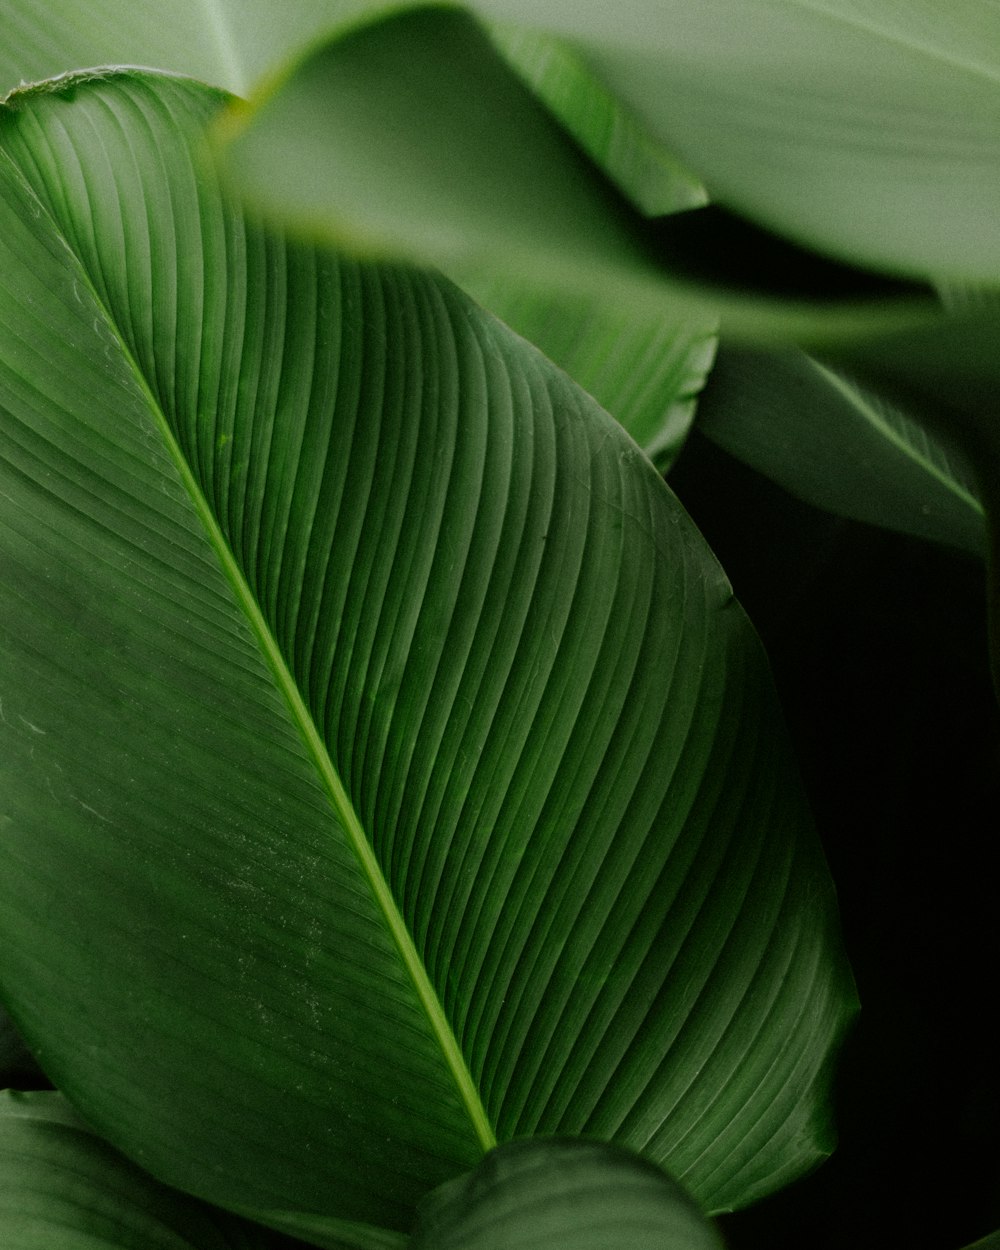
<point x="841" y="446"/>
<point x="991" y="1242"/>
<point x="18" y="1068"/>
<point x="63" y="1188"/>
<point x="562" y="1194"/>
<point x="647" y="372"/>
<point x="386" y="766"/>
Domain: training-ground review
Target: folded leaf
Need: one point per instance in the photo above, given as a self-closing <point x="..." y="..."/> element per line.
<point x="387" y="769"/>
<point x="862" y="128"/>
<point x="409" y="136"/>
<point x="561" y="1194"/>
<point x="841" y="446"/>
<point x="65" y="1189"/>
<point x="607" y="131"/>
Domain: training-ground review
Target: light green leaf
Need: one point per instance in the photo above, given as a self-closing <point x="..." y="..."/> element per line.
<point x="410" y="137"/>
<point x="65" y="1189"/>
<point x="387" y="768"/>
<point x="840" y="446"/>
<point x="866" y="128"/>
<point x="562" y="1194"/>
<point x="608" y="132"/>
<point x="228" y="43"/>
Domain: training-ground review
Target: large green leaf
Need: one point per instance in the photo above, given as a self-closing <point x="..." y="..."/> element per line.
<point x="387" y="768"/>
<point x="840" y="445"/>
<point x="646" y="371"/>
<point x="63" y="1188"/>
<point x="410" y="136"/>
<point x="552" y="1194"/>
<point x="869" y="128"/>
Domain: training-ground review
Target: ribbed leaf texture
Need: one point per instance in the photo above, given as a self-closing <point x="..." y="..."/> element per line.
<point x="532" y="1195"/>
<point x="65" y="1189"/>
<point x="841" y="445"/>
<point x="387" y="768"/>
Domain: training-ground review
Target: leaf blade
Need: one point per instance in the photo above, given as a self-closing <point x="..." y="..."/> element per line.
<point x="841" y="446"/>
<point x="514" y="646"/>
<point x="64" y="1188"/>
<point x="408" y="136"/>
<point x="822" y="121"/>
<point x="562" y="1193"/>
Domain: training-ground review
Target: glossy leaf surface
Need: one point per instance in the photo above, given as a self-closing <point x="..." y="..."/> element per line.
<point x="866" y="128"/>
<point x="410" y="137"/>
<point x="563" y="1194"/>
<point x="387" y="767"/>
<point x="841" y="446"/>
<point x="63" y="1188"/>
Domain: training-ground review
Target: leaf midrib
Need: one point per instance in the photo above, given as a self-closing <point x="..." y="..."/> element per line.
<point x="340" y="801"/>
<point x="869" y="413"/>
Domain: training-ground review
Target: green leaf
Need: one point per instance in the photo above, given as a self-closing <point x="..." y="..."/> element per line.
<point x="228" y="43"/>
<point x="841" y="446"/>
<point x="647" y="372"/>
<point x="387" y="768"/>
<point x="990" y="1242"/>
<point x="65" y="1189"/>
<point x="948" y="378"/>
<point x="563" y="1195"/>
<point x="866" y="129"/>
<point x="410" y="137"/>
<point x="608" y="132"/>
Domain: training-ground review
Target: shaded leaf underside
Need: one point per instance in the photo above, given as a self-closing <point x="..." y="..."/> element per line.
<point x="842" y="446"/>
<point x="386" y="764"/>
<point x="65" y="1189"/>
<point x="530" y="1195"/>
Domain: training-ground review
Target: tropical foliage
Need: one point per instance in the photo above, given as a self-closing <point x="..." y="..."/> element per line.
<point x="402" y="841"/>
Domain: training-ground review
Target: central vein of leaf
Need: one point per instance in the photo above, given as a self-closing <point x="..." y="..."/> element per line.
<point x="342" y="805"/>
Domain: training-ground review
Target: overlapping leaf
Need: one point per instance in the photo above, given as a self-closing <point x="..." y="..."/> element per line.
<point x="865" y="128"/>
<point x="386" y="766"/>
<point x="646" y="371"/>
<point x="65" y="1189"/>
<point x="531" y="1195"/>
<point x="842" y="446"/>
<point x="642" y="168"/>
<point x="409" y="136"/>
